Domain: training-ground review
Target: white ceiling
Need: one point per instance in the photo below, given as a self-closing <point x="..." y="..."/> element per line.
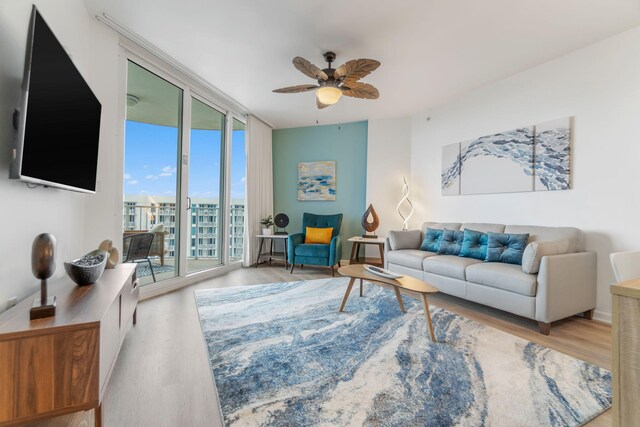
<point x="431" y="50"/>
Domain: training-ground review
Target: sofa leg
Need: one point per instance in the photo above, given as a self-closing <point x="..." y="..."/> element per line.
<point x="339" y="264"/>
<point x="544" y="328"/>
<point x="292" y="267"/>
<point x="588" y="314"/>
<point x="333" y="273"/>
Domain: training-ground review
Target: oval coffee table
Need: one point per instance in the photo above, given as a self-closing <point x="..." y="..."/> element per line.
<point x="357" y="271"/>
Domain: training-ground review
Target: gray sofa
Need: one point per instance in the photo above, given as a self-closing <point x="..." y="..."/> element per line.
<point x="564" y="285"/>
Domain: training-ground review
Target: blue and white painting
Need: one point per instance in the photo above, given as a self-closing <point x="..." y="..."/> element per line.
<point x="499" y="163"/>
<point x="317" y="181"/>
<point x="553" y="155"/>
<point x="451" y="169"/>
<point x="533" y="158"/>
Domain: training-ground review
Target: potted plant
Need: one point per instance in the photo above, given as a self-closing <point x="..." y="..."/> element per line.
<point x="267" y="223"/>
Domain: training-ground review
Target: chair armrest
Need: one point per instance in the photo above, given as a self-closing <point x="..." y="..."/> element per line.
<point x="335" y="250"/>
<point x="566" y="286"/>
<point x="292" y="241"/>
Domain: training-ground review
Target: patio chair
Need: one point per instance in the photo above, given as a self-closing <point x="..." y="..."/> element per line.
<point x="138" y="248"/>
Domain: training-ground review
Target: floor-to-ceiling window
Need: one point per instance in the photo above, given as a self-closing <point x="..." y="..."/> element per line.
<point x="184" y="177"/>
<point x="206" y="189"/>
<point x="151" y="171"/>
<point x="238" y="184"/>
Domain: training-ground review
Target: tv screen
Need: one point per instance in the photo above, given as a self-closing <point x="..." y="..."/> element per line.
<point x="60" y="121"/>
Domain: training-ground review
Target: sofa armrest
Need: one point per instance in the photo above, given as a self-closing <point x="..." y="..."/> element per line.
<point x="566" y="286"/>
<point x="335" y="250"/>
<point x="292" y="241"/>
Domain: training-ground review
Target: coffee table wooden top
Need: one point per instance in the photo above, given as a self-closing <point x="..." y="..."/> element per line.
<point x="406" y="282"/>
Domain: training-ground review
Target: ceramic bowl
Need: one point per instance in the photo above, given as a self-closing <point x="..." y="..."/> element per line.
<point x="86" y="275"/>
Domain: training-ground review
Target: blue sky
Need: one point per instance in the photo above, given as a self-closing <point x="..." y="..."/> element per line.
<point x="151" y="161"/>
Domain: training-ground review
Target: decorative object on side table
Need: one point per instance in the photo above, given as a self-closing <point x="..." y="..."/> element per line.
<point x="405" y="197"/>
<point x="370" y="227"/>
<point x="267" y="223"/>
<point x="114" y="255"/>
<point x="88" y="269"/>
<point x="43" y="265"/>
<point x="281" y="220"/>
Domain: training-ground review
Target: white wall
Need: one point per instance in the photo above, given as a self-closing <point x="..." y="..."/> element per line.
<point x="388" y="160"/>
<point x="598" y="85"/>
<point x="78" y="221"/>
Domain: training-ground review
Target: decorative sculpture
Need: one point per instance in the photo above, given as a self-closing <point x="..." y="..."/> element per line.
<point x="405" y="197"/>
<point x="281" y="221"/>
<point x="43" y="265"/>
<point x="114" y="256"/>
<point x="370" y="227"/>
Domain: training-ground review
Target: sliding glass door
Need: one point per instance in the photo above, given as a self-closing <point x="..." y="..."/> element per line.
<point x="153" y="131"/>
<point x="206" y="188"/>
<point x="184" y="178"/>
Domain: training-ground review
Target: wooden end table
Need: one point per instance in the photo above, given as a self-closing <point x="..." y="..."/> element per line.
<point x="406" y="282"/>
<point x="355" y="248"/>
<point x="280" y="256"/>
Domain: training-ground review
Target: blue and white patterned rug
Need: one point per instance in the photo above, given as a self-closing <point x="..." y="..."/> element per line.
<point x="281" y="354"/>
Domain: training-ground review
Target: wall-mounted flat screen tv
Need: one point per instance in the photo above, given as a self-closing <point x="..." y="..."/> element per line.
<point x="58" y="120"/>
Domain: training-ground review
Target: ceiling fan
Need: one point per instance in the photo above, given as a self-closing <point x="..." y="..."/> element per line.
<point x="335" y="82"/>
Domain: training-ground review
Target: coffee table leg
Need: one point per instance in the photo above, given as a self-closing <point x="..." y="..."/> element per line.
<point x="360" y="287"/>
<point x="427" y="314"/>
<point x="399" y="298"/>
<point x="346" y="295"/>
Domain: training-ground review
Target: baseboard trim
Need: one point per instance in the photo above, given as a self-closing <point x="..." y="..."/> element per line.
<point x="171" y="285"/>
<point x="602" y="316"/>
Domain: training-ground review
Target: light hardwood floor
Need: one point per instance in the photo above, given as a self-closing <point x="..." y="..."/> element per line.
<point x="162" y="376"/>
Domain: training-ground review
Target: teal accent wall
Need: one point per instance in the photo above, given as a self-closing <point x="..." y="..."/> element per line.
<point x="344" y="143"/>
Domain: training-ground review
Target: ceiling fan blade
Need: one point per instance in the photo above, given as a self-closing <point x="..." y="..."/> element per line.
<point x="320" y="105"/>
<point x="355" y="69"/>
<point x="296" y="89"/>
<point x="308" y="69"/>
<point x="360" y="90"/>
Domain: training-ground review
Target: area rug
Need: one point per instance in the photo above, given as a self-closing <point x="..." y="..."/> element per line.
<point x="281" y="354"/>
<point x="143" y="270"/>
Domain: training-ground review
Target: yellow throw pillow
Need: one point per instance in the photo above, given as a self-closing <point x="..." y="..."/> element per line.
<point x="318" y="235"/>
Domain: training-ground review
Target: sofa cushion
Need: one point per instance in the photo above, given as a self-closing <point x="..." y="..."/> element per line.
<point x="574" y="236"/>
<point x="440" y="226"/>
<point x="406" y="239"/>
<point x="411" y="258"/>
<point x="534" y="252"/>
<point x="474" y="244"/>
<point x="431" y="242"/>
<point x="448" y="265"/>
<point x="312" y="250"/>
<point x="508" y="277"/>
<point x="483" y="227"/>
<point x="507" y="248"/>
<point x="450" y="242"/>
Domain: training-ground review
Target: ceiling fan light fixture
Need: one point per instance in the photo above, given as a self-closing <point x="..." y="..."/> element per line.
<point x="328" y="95"/>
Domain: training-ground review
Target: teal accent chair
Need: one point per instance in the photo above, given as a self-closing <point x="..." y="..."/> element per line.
<point x="316" y="254"/>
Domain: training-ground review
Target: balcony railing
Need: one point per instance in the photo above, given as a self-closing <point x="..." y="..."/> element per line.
<point x="145" y="217"/>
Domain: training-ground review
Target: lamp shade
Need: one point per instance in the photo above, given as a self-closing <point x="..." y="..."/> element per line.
<point x="328" y="95"/>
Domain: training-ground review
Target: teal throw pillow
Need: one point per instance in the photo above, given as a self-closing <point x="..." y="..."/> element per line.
<point x="507" y="248"/>
<point x="451" y="242"/>
<point x="431" y="242"/>
<point x="474" y="245"/>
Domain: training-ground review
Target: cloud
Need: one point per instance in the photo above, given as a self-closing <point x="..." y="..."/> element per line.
<point x="243" y="180"/>
<point x="127" y="176"/>
<point x="168" y="171"/>
<point x="168" y="192"/>
<point x="133" y="182"/>
<point x="151" y="177"/>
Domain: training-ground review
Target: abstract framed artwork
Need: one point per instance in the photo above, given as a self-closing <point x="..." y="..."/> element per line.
<point x="553" y="155"/>
<point x="317" y="181"/>
<point x="533" y="158"/>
